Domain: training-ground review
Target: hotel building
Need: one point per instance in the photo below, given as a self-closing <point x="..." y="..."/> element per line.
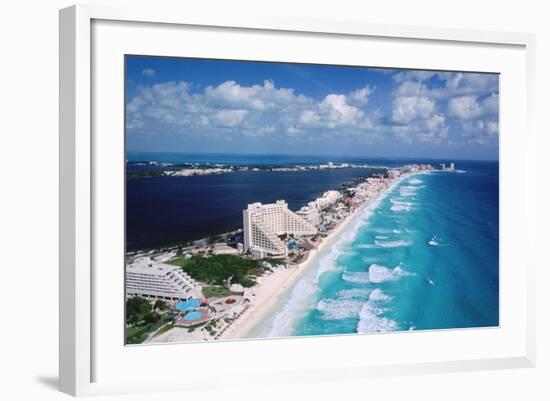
<point x="310" y="213"/>
<point x="263" y="224"/>
<point x="159" y="281"/>
<point x="328" y="198"/>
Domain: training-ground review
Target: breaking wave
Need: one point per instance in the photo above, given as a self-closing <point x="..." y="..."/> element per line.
<point x="301" y="295"/>
<point x="377" y="295"/>
<point x="370" y="320"/>
<point x="398" y="205"/>
<point x="392" y="244"/>
<point x="376" y="274"/>
<point x="335" y="309"/>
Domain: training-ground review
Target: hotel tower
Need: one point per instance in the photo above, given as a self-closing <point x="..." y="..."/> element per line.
<point x="263" y="224"/>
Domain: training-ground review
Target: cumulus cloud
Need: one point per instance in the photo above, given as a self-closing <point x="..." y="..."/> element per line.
<point x="409" y="108"/>
<point x="361" y="96"/>
<point x="468" y="107"/>
<point x="427" y="105"/>
<point x="422" y="106"/>
<point x="256" y="110"/>
<point x="464" y="107"/>
<point x="444" y="85"/>
<point x="480" y="132"/>
<point x="148" y="72"/>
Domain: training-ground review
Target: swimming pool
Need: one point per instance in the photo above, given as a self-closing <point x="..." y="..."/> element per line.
<point x="189" y="304"/>
<point x="193" y="315"/>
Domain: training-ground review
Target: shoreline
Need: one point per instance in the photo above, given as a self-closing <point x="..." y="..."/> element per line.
<point x="269" y="292"/>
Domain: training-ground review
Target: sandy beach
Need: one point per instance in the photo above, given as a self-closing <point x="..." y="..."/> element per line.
<point x="264" y="296"/>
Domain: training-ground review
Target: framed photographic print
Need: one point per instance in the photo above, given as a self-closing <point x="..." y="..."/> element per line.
<point x="350" y="194"/>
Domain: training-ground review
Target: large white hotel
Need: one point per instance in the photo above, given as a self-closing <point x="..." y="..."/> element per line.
<point x="263" y="224"/>
<point x="150" y="280"/>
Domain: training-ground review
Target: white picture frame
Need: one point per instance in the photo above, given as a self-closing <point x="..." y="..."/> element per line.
<point x="80" y="342"/>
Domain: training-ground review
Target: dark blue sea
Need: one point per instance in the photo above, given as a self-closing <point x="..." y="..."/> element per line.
<point x="169" y="210"/>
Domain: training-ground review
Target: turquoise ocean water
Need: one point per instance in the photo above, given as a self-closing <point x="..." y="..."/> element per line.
<point x="424" y="257"/>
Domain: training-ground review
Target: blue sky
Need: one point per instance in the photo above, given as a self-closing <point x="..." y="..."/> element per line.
<point x="201" y="106"/>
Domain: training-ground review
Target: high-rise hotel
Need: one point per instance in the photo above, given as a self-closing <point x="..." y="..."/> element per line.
<point x="263" y="224"/>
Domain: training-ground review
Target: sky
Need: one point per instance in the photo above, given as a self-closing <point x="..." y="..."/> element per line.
<point x="221" y="106"/>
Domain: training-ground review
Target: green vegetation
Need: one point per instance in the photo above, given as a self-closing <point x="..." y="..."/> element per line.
<point x="136" y="309"/>
<point x="217" y="292"/>
<point x="142" y="319"/>
<point x="217" y="270"/>
<point x="151" y="317"/>
<point x="160" y="305"/>
<point x="137" y="334"/>
<point x="180" y="261"/>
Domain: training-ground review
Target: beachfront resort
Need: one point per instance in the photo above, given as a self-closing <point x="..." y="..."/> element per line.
<point x="219" y="287"/>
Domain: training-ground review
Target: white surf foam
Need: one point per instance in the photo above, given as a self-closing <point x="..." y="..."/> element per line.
<point x="366" y="246"/>
<point x="300" y="297"/>
<point x="351" y="293"/>
<point x="415" y="181"/>
<point x="380" y="274"/>
<point x="377" y="295"/>
<point x="336" y="309"/>
<point x="371" y="321"/>
<point x="399" y="205"/>
<point x="400" y="202"/>
<point x="400" y="208"/>
<point x="376" y="274"/>
<point x="356" y="277"/>
<point x="328" y="262"/>
<point x="408" y="190"/>
<point x="392" y="244"/>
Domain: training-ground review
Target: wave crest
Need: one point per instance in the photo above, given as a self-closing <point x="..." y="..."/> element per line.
<point x="392" y="244"/>
<point x="337" y="309"/>
<point x="376" y="274"/>
<point x="371" y="321"/>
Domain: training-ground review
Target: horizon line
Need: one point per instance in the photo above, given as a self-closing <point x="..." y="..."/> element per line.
<point x="309" y="155"/>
